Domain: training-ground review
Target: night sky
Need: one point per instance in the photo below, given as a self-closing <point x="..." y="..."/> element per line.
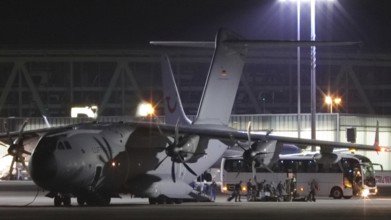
<point x="133" y="23"/>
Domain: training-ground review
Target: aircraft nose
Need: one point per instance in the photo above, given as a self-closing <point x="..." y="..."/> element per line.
<point x="43" y="166"/>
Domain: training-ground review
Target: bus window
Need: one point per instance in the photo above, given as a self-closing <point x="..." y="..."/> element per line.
<point x="278" y="167"/>
<point x="312" y="167"/>
<point x="290" y="165"/>
<point x="329" y="168"/>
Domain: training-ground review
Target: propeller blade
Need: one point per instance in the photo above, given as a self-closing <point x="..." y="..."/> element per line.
<point x="249" y="132"/>
<point x="260" y="153"/>
<point x="19" y="140"/>
<point x="238" y="167"/>
<point x="271" y="171"/>
<point x="187" y="166"/>
<point x="176" y="132"/>
<point x="240" y="145"/>
<point x="173" y="171"/>
<point x="253" y="169"/>
<point x="157" y="165"/>
<point x="9" y="137"/>
<point x="3" y="144"/>
<point x="189" y="169"/>
<point x="110" y="151"/>
<point x="269" y="132"/>
<point x="165" y="136"/>
<point x="103" y="148"/>
<point x="101" y="159"/>
<point x="237" y="174"/>
<point x="26" y="152"/>
<point x="11" y="168"/>
<point x="25" y="167"/>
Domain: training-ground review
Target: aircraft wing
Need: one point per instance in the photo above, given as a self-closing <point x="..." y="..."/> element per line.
<point x="324" y="144"/>
<point x="222" y="133"/>
<point x="229" y="134"/>
<point x="7" y="137"/>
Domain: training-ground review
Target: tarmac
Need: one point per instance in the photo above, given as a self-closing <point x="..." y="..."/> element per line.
<point x="20" y="202"/>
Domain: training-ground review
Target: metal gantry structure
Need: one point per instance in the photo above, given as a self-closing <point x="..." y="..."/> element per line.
<point x="49" y="82"/>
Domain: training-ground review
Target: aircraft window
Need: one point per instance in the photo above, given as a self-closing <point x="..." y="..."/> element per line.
<point x="67" y="145"/>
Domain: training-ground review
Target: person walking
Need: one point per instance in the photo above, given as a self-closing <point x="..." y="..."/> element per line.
<point x="213" y="190"/>
<point x="250" y="190"/>
<point x="314" y="187"/>
<point x="238" y="189"/>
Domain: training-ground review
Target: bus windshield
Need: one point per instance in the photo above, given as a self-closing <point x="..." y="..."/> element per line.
<point x="368" y="174"/>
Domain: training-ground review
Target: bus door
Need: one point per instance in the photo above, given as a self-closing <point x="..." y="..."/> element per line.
<point x="291" y="183"/>
<point x="357" y="181"/>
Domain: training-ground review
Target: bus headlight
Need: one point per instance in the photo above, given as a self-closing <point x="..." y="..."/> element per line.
<point x="347" y="183"/>
<point x="365" y="193"/>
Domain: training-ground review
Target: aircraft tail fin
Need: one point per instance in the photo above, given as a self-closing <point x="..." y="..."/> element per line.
<point x="173" y="108"/>
<point x="222" y="82"/>
<point x="226" y="69"/>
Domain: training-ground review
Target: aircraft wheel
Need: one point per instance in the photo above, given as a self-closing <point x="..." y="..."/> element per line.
<point x="81" y="201"/>
<point x="152" y="201"/>
<point x="169" y="201"/>
<point x="57" y="200"/>
<point x="161" y="200"/>
<point x="104" y="200"/>
<point x="98" y="200"/>
<point x="178" y="201"/>
<point x="66" y="200"/>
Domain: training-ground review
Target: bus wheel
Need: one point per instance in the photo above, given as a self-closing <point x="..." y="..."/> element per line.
<point x="336" y="193"/>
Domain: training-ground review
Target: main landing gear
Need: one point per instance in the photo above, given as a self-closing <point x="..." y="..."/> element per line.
<point x="62" y="200"/>
<point x="164" y="200"/>
<point x="82" y="200"/>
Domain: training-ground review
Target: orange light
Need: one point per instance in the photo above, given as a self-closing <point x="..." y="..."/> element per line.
<point x="337" y="100"/>
<point x="301" y="189"/>
<point x="224" y="188"/>
<point x="382" y="149"/>
<point x="244" y="188"/>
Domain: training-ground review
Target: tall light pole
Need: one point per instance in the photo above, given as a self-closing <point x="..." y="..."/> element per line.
<point x="298" y="5"/>
<point x="313" y="67"/>
<point x="313" y="75"/>
<point x="298" y="72"/>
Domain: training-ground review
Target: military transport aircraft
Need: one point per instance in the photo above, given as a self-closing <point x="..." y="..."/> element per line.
<point x="95" y="162"/>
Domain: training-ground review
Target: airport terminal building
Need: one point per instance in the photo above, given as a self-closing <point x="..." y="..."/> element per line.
<point x="50" y="82"/>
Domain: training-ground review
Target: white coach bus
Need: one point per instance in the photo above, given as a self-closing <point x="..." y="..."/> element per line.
<point x="350" y="175"/>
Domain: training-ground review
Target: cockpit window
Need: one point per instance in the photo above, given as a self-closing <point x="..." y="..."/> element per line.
<point x="67" y="145"/>
<point x="60" y="146"/>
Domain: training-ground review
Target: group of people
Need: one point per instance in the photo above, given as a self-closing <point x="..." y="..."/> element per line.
<point x="207" y="189"/>
<point x="282" y="189"/>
